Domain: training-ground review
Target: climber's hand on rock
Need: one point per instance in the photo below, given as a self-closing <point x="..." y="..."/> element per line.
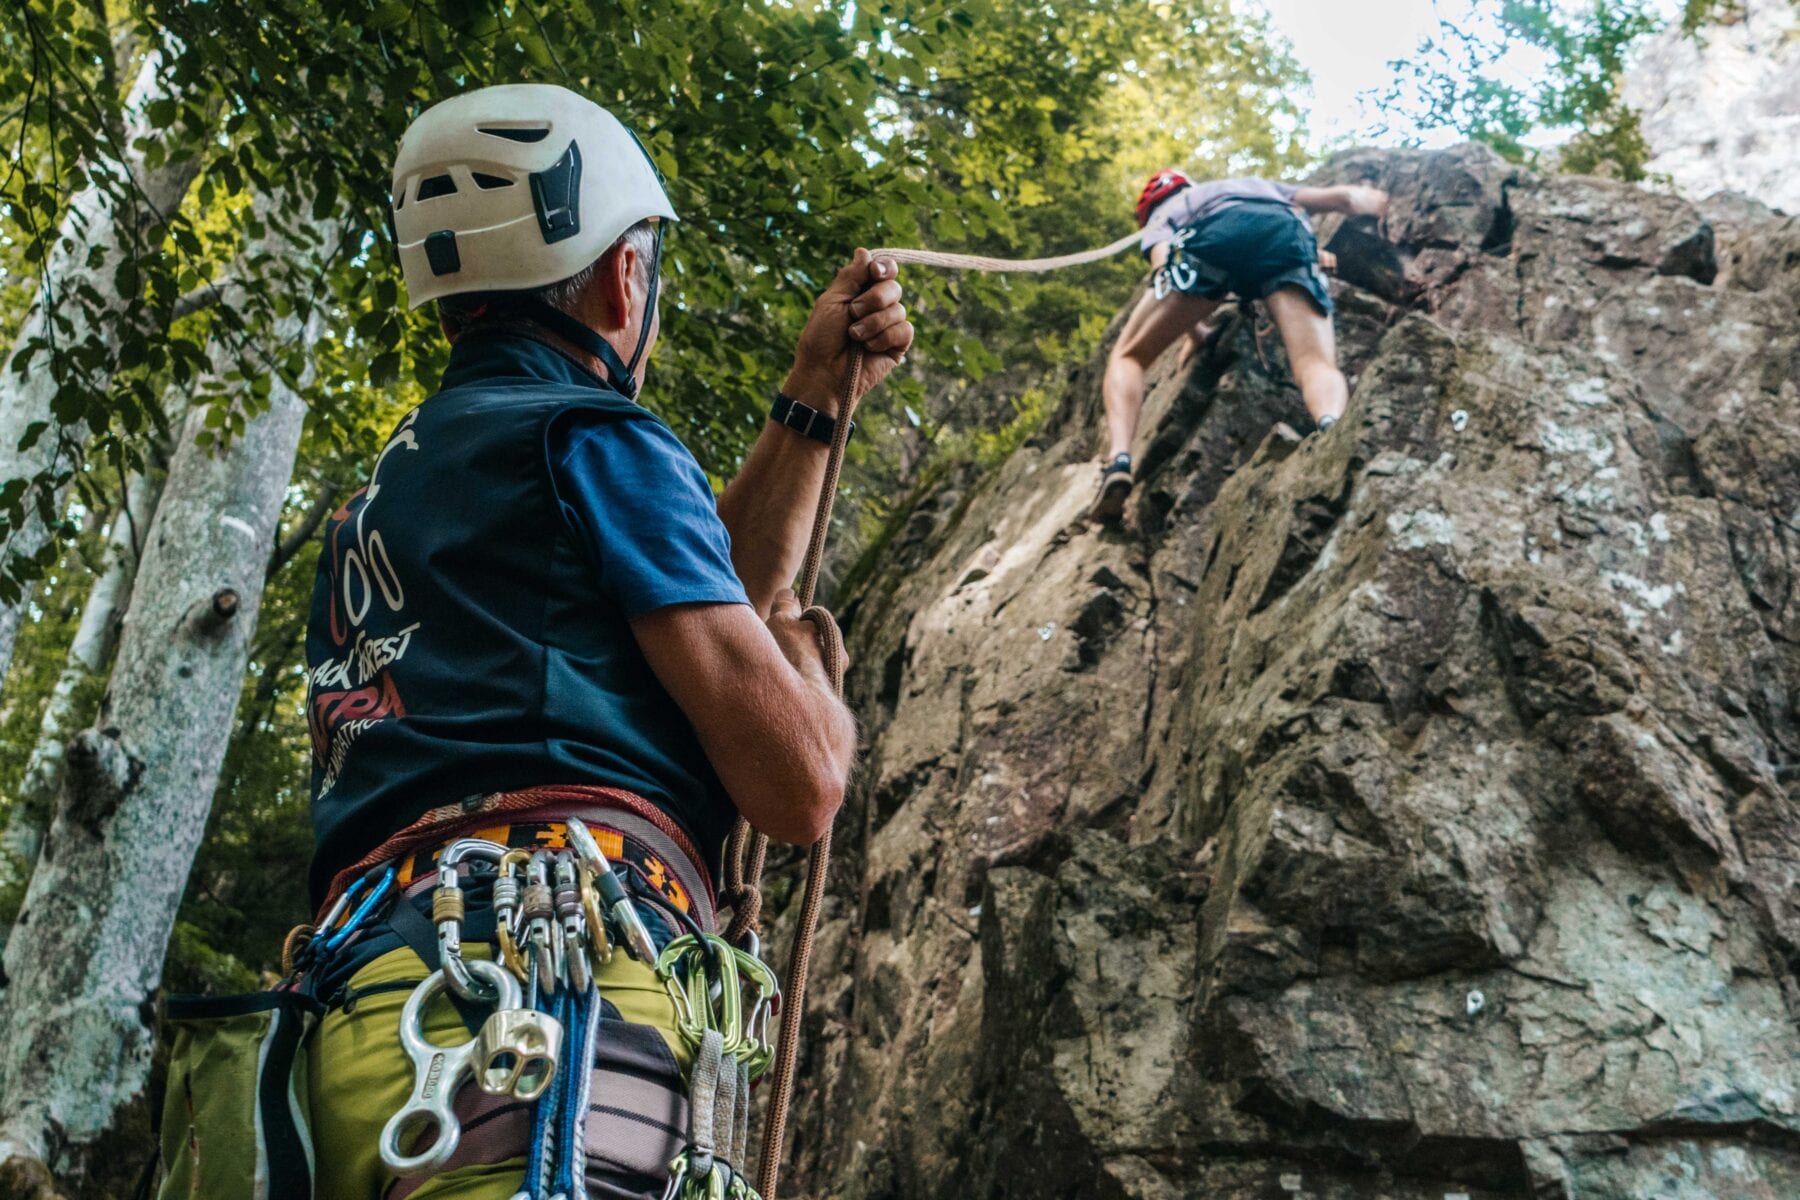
<point x="862" y="306"/>
<point x="1327" y="260"/>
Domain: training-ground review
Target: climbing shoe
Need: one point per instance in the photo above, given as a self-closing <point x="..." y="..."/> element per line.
<point x="1115" y="485"/>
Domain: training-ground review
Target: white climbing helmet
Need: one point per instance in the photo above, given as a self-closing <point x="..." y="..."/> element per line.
<point x="514" y="187"/>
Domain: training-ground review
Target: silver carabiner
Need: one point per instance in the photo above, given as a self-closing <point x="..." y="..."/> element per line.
<point x="438" y="1071"/>
<point x="612" y="893"/>
<point x="447" y="912"/>
<point x="574" y="930"/>
<point x="540" y="931"/>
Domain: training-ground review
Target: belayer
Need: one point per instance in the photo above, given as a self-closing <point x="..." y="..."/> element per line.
<point x="1207" y="241"/>
<point x="547" y="672"/>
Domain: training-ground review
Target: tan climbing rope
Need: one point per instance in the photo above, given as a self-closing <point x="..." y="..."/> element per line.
<point x="746" y="850"/>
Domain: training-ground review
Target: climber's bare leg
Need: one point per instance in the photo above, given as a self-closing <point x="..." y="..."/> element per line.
<point x="1154" y="326"/>
<point x="1311" y="346"/>
<point x="1193" y="344"/>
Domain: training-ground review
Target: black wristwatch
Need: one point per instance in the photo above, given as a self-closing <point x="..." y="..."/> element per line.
<point x="805" y="420"/>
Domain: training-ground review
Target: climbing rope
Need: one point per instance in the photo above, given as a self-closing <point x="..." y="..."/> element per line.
<point x="746" y="850"/>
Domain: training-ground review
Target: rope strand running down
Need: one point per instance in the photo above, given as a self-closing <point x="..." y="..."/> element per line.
<point x="746" y="849"/>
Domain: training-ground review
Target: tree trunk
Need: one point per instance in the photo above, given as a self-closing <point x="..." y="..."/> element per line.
<point x="89" y="652"/>
<point x="86" y="955"/>
<point x="106" y="225"/>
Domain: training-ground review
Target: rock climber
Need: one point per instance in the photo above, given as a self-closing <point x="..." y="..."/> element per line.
<point x="536" y="611"/>
<point x="1209" y="240"/>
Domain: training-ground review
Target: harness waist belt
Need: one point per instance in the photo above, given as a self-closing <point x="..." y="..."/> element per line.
<point x="668" y="873"/>
<point x="623" y="812"/>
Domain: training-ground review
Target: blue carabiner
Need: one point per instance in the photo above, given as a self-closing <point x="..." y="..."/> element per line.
<point x="362" y="911"/>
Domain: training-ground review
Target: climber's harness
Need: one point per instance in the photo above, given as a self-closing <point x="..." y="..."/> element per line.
<point x="559" y="913"/>
<point x="1181" y="271"/>
<point x="1186" y="271"/>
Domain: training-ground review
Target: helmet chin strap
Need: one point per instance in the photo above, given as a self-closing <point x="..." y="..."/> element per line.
<point x="650" y="304"/>
<point x="624" y="377"/>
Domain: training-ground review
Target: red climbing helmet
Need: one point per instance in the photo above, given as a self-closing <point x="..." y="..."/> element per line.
<point x="1161" y="186"/>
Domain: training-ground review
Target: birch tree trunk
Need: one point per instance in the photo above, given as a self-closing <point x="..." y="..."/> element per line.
<point x="90" y="651"/>
<point x="106" y="226"/>
<point x="87" y="952"/>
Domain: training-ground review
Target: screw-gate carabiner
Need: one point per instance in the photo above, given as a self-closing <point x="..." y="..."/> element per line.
<point x="538" y="911"/>
<point x="506" y="910"/>
<point x="577" y="968"/>
<point x="447" y="913"/>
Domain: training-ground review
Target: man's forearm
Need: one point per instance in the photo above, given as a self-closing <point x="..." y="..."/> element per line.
<point x="769" y="506"/>
<point x="1351" y="199"/>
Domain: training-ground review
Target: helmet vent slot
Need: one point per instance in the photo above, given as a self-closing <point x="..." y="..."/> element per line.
<point x="556" y="194"/>
<point x="514" y="134"/>
<point x="437" y="185"/>
<point x="488" y="183"/>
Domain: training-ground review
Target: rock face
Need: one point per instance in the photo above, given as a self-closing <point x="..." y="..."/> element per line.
<point x="1721" y="108"/>
<point x="1409" y="812"/>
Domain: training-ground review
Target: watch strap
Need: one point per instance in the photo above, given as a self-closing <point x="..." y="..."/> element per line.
<point x="804" y="419"/>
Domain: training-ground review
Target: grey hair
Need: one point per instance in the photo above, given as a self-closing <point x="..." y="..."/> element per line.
<point x="459" y="313"/>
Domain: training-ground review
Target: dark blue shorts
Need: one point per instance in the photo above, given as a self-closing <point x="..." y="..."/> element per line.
<point x="1250" y="249"/>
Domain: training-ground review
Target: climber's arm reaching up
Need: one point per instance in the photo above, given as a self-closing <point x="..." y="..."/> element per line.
<point x="1351" y="199"/>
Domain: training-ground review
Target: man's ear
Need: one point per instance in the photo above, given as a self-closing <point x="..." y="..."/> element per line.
<point x="617" y="278"/>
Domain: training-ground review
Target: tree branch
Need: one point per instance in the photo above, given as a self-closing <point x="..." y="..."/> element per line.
<point x="202" y="297"/>
<point x="274" y="661"/>
<point x="303" y="530"/>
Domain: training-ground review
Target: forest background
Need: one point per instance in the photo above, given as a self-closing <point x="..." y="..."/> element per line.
<point x="207" y="327"/>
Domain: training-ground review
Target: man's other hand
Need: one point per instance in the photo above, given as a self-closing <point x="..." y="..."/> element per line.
<point x="861" y="305"/>
<point x="758" y="697"/>
<point x="1327" y="260"/>
<point x="1351" y="199"/>
<point x="798" y="638"/>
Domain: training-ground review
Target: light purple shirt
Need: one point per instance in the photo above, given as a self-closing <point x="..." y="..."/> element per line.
<point x="1199" y="200"/>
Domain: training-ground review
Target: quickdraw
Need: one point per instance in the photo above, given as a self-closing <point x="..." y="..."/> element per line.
<point x="724" y="998"/>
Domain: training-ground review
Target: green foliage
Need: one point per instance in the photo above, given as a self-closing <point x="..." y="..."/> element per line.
<point x="43" y="644"/>
<point x="790" y="132"/>
<point x="1453" y="82"/>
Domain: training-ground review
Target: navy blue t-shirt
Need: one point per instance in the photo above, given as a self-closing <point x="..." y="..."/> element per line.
<point x="645" y="512"/>
<point x="470" y="628"/>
